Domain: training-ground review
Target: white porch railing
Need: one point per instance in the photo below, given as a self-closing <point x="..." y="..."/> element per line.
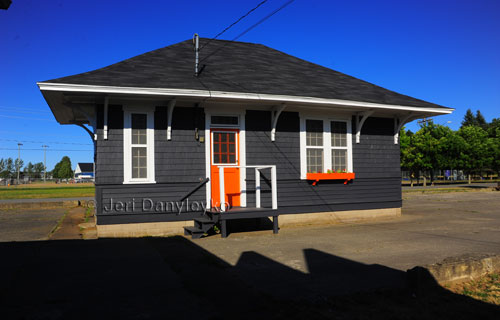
<point x="274" y="188"/>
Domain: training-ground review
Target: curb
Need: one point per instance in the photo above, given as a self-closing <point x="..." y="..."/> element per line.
<point x="455" y="270"/>
<point x="47" y="204"/>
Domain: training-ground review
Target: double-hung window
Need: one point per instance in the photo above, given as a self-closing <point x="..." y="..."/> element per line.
<point x="339" y="145"/>
<point x="325" y="144"/>
<point x="138" y="145"/>
<point x="314" y="145"/>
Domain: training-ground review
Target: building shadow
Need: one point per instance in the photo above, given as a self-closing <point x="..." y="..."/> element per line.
<point x="249" y="225"/>
<point x="164" y="278"/>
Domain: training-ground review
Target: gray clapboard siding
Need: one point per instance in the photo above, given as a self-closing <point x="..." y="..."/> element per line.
<point x="159" y="217"/>
<point x="180" y="164"/>
<point x="375" y="162"/>
<point x="144" y="192"/>
<point x="109" y="156"/>
<point x="181" y="159"/>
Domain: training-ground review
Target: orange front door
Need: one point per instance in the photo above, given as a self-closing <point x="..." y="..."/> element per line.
<point x="224" y="150"/>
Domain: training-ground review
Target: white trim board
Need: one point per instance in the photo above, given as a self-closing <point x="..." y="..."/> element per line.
<point x="47" y="86"/>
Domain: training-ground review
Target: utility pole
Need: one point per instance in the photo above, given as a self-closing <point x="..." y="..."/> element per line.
<point x="18" y="160"/>
<point x="44" y="162"/>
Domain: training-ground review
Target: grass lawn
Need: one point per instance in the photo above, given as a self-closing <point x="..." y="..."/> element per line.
<point x="444" y="190"/>
<point x="47" y="190"/>
<point x="486" y="289"/>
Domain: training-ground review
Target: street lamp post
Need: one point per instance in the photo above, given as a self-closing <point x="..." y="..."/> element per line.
<point x="18" y="160"/>
<point x="44" y="162"/>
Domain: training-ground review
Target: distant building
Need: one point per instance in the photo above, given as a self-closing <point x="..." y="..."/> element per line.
<point x="84" y="171"/>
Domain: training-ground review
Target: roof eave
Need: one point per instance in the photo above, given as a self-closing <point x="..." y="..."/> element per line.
<point x="222" y="95"/>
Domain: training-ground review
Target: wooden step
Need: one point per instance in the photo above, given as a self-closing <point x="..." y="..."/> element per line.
<point x="204" y="220"/>
<point x="194" y="232"/>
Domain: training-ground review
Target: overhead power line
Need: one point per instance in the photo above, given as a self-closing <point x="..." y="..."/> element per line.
<point x="23" y="112"/>
<point x="22" y="133"/>
<point x="13" y="110"/>
<point x="28" y="149"/>
<point x="19" y="117"/>
<point x="52" y="142"/>
<point x="26" y="109"/>
<point x="249" y="29"/>
<point x="232" y="24"/>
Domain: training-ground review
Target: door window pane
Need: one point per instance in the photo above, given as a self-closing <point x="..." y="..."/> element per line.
<point x="224" y="148"/>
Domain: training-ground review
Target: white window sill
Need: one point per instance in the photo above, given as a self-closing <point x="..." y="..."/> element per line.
<point x="139" y="182"/>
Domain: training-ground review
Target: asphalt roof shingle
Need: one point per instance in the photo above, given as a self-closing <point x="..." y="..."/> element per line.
<point x="238" y="67"/>
<point x="86" y="166"/>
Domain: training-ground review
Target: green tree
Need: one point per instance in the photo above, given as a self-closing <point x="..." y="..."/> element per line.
<point x="8" y="168"/>
<point x="411" y="160"/>
<point x="62" y="169"/>
<point x="29" y="170"/>
<point x="19" y="163"/>
<point x="38" y="169"/>
<point x="453" y="148"/>
<point x="495" y="152"/>
<point x="2" y="167"/>
<point x="469" y="119"/>
<point x="430" y="145"/>
<point x="477" y="154"/>
<point x="494" y="128"/>
<point x="481" y="121"/>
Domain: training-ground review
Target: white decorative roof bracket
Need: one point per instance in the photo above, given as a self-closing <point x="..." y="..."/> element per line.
<point x="105" y="127"/>
<point x="399" y="123"/>
<point x="360" y="123"/>
<point x="170" y="111"/>
<point x="275" y="114"/>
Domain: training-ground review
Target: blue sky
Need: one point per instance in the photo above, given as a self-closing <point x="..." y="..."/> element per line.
<point x="446" y="52"/>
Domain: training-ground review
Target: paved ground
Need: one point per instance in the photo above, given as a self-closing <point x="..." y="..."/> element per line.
<point x="432" y="227"/>
<point x="45" y="200"/>
<point x="481" y="185"/>
<point x="26" y="225"/>
<point x="300" y="273"/>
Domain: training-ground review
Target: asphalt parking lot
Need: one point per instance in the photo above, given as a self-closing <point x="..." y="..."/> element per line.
<point x="28" y="225"/>
<point x="431" y="228"/>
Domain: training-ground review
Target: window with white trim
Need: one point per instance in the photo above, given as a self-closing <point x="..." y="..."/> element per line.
<point x="138" y="146"/>
<point x="224" y="121"/>
<point x="325" y="145"/>
<point x="339" y="145"/>
<point x="314" y="145"/>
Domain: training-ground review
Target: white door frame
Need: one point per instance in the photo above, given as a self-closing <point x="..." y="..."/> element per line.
<point x="240" y="113"/>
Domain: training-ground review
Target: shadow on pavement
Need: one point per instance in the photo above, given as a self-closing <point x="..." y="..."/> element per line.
<point x="174" y="278"/>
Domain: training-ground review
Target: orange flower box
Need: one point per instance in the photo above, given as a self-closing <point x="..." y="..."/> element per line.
<point x="346" y="176"/>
